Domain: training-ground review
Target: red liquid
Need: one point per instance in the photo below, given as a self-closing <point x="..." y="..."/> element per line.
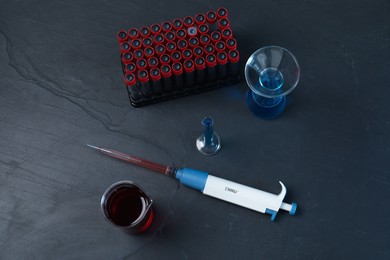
<point x="126" y="206"/>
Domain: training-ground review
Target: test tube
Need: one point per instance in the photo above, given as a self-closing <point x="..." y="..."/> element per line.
<point x="149" y="52"/>
<point x="200" y="19"/>
<point x="182" y="45"/>
<point x="189" y="74"/>
<point x="121" y="36"/>
<point x="203" y="29"/>
<point x="130" y="68"/>
<point x="171" y="47"/>
<point x="166" y="74"/>
<point x="198" y="51"/>
<point x="222" y="65"/>
<point x="158" y="39"/>
<point x="138" y="54"/>
<point x="143" y="78"/>
<point x="222" y="13"/>
<point x="226" y="33"/>
<point x="209" y="49"/>
<point x="231" y="44"/>
<point x="153" y="62"/>
<point x="233" y="57"/>
<point x="204" y="39"/>
<point x="155" y="29"/>
<point x="181" y="34"/>
<point x="188" y="21"/>
<point x="166" y="27"/>
<point x="141" y="64"/>
<point x="160" y="49"/>
<point x="177" y="70"/>
<point x="215" y="36"/>
<point x="193" y="42"/>
<point x="220" y="46"/>
<point x="133" y="33"/>
<point x="187" y="54"/>
<point x="200" y="72"/>
<point x="175" y="56"/>
<point x="211" y="63"/>
<point x="147" y="42"/>
<point x="127" y="57"/>
<point x="223" y="24"/>
<point x="125" y="46"/>
<point x="132" y="86"/>
<point x="177" y="24"/>
<point x="170" y="37"/>
<point x="144" y="31"/>
<point x="211" y="18"/>
<point x="165" y="59"/>
<point x="155" y="76"/>
<point x="136" y="44"/>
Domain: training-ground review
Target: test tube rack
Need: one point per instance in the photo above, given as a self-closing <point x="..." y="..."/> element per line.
<point x="178" y="58"/>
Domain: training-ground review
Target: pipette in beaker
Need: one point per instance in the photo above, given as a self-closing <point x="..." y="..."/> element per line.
<point x="213" y="186"/>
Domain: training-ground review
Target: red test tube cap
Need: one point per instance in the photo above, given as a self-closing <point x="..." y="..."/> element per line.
<point x="200" y="19"/>
<point x="223" y="23"/>
<point x="234" y="56"/>
<point x="203" y="29"/>
<point x="121" y="36"/>
<point x="176" y="56"/>
<point x="189" y="66"/>
<point x="211" y="17"/>
<point x="222" y="13"/>
<point x="155" y="29"/>
<point x="215" y="36"/>
<point x="130" y="68"/>
<point x="211" y="60"/>
<point x="152" y="62"/>
<point x="144" y="31"/>
<point x="155" y="74"/>
<point x="125" y="46"/>
<point x="177" y="68"/>
<point x="158" y="38"/>
<point x="188" y="21"/>
<point x="127" y="57"/>
<point x="133" y="33"/>
<point x="227" y="33"/>
<point x="166" y="27"/>
<point x="141" y="64"/>
<point x="200" y="64"/>
<point x="170" y="36"/>
<point x="143" y="76"/>
<point x="231" y="44"/>
<point x="136" y="44"/>
<point x="186" y="54"/>
<point x="165" y="59"/>
<point x="177" y="24"/>
<point x="222" y="58"/>
<point x="166" y="71"/>
<point x="130" y="79"/>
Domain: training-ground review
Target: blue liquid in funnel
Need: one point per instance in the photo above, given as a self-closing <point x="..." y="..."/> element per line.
<point x="271" y="79"/>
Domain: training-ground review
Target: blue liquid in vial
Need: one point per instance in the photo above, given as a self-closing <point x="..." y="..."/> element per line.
<point x="271" y="79"/>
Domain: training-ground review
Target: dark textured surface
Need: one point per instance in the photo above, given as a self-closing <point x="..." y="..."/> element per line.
<point x="61" y="87"/>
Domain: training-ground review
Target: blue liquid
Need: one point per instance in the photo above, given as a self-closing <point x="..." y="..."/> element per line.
<point x="271" y="78"/>
<point x="266" y="108"/>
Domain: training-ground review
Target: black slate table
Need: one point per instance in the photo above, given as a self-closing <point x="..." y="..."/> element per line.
<point x="61" y="87"/>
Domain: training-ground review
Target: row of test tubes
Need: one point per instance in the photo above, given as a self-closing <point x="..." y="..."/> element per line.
<point x="178" y="57"/>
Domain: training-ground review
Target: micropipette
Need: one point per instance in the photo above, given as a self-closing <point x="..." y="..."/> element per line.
<point x="213" y="186"/>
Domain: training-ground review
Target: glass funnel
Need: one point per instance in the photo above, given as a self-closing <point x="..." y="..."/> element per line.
<point x="271" y="73"/>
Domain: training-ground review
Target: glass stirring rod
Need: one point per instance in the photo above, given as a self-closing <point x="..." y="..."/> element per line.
<point x="213" y="186"/>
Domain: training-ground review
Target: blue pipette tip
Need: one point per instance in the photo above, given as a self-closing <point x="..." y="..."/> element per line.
<point x="293" y="208"/>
